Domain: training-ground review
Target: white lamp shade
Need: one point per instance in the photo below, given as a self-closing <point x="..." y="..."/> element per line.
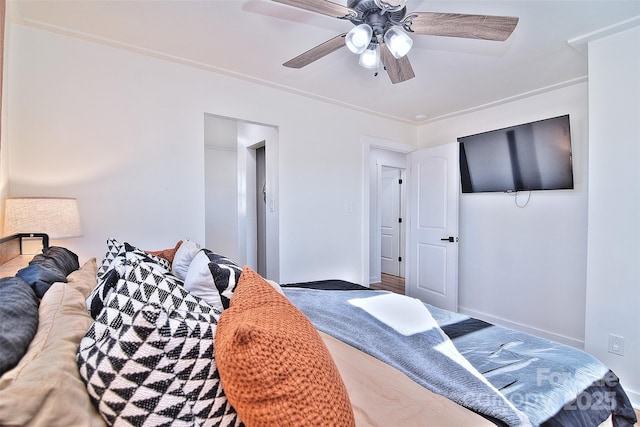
<point x="370" y="58"/>
<point x="359" y="38"/>
<point x="59" y="218"/>
<point x="398" y="42"/>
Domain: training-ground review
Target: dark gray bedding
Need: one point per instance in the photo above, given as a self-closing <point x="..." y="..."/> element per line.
<point x="54" y="264"/>
<point x="18" y="320"/>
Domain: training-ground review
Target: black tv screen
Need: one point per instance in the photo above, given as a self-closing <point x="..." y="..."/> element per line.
<point x="530" y="156"/>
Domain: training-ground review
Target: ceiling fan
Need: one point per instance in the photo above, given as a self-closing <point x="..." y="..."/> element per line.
<point x="381" y="27"/>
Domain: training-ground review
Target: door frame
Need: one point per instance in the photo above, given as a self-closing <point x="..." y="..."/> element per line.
<point x="250" y="137"/>
<point x="243" y="140"/>
<point x="368" y="143"/>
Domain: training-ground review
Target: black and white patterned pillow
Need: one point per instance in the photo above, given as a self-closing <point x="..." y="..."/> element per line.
<point x="148" y="358"/>
<point x="113" y="268"/>
<point x="113" y="249"/>
<point x="213" y="277"/>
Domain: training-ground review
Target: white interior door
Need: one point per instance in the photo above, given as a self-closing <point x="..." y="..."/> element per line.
<point x="433" y="248"/>
<point x="390" y="220"/>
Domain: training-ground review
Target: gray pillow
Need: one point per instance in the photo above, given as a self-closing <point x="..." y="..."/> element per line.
<point x="52" y="265"/>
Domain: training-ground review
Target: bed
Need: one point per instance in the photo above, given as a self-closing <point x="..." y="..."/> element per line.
<point x="184" y="336"/>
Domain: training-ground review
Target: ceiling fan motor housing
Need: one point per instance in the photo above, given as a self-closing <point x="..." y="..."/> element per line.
<point x="378" y="19"/>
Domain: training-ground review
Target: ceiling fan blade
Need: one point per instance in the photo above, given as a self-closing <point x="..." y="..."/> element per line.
<point x="323" y="7"/>
<point x="485" y="27"/>
<point x="399" y="70"/>
<point x="317" y="52"/>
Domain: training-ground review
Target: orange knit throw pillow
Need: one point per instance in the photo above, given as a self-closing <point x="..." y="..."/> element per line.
<point x="274" y="367"/>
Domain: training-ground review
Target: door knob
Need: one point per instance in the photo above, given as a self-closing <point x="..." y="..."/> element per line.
<point x="450" y="239"/>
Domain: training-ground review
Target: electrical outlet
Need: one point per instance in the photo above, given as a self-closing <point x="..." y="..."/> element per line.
<point x="616" y="344"/>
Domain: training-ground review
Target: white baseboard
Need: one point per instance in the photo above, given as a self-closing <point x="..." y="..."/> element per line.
<point x="573" y="342"/>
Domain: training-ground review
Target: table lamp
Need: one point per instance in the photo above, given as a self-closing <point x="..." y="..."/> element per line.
<point x="42" y="217"/>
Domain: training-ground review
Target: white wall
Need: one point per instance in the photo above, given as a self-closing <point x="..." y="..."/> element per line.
<point x="123" y="133"/>
<point x="613" y="275"/>
<point x="220" y="166"/>
<point x="525" y="267"/>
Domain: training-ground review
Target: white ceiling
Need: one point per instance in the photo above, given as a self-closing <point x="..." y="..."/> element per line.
<point x="252" y="38"/>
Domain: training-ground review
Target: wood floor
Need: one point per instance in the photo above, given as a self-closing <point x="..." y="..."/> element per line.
<point x="390" y="283"/>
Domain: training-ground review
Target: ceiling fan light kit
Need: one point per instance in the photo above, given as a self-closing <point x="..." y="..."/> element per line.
<point x="381" y="27"/>
<point x="398" y="42"/>
<point x="370" y="58"/>
<point x="359" y="38"/>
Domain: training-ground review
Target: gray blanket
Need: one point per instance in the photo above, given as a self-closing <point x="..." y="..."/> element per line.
<point x="552" y="384"/>
<point x="416" y="355"/>
<point x="18" y="320"/>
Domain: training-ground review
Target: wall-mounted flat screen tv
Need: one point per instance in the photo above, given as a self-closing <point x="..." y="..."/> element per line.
<point x="530" y="156"/>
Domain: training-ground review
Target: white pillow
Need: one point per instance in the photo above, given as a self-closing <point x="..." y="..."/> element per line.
<point x="213" y="278"/>
<point x="183" y="257"/>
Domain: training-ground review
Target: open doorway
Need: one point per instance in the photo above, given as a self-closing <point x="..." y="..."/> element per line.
<point x="387" y="239"/>
<point x="392" y="229"/>
<point x="241" y="193"/>
<point x="391" y="221"/>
